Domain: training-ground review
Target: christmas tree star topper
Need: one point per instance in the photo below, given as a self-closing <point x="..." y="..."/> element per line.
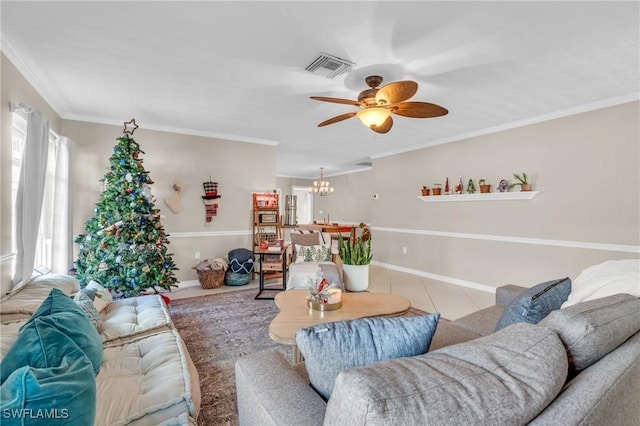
<point x="130" y="126"/>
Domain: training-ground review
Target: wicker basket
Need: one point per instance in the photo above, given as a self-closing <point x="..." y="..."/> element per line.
<point x="211" y="278"/>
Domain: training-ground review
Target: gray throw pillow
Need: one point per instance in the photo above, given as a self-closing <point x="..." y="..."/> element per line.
<point x="536" y="303"/>
<point x="333" y="347"/>
<point x="592" y="329"/>
<point x="85" y="302"/>
<point x="506" y="378"/>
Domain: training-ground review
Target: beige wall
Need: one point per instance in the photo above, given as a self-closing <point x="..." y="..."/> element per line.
<point x="351" y="201"/>
<point x="239" y="168"/>
<point x="13" y="88"/>
<point x="585" y="167"/>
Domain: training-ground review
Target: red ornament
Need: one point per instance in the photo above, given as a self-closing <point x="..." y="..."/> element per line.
<point x="103" y="244"/>
<point x="117" y="233"/>
<point x="135" y="155"/>
<point x="129" y="190"/>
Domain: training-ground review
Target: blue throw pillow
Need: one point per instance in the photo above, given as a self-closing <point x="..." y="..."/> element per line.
<point x="332" y="347"/>
<point x="62" y="313"/>
<point x="536" y="303"/>
<point x="55" y="302"/>
<point x="60" y="393"/>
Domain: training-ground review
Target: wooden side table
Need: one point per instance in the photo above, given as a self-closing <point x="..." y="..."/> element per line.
<point x="280" y="266"/>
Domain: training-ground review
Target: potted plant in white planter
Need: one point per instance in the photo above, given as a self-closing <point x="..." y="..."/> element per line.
<point x="356" y="254"/>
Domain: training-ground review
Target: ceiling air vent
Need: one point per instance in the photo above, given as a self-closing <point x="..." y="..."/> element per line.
<point x="329" y="66"/>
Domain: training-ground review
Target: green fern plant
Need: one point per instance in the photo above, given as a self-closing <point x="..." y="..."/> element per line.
<point x="521" y="180"/>
<point x="356" y="250"/>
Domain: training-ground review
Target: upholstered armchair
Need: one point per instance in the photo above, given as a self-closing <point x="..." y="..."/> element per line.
<point x="309" y="251"/>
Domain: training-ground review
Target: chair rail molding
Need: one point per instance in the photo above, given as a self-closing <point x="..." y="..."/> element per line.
<point x="229" y="233"/>
<point x="518" y="240"/>
<point x="7" y="257"/>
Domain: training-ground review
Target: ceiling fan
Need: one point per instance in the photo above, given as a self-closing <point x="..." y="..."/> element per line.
<point x="377" y="105"/>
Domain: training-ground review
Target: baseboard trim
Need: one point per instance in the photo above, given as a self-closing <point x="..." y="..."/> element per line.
<point x="437" y="277"/>
<point x="517" y="240"/>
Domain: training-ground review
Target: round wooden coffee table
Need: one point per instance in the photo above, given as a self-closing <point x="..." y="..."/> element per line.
<point x="295" y="314"/>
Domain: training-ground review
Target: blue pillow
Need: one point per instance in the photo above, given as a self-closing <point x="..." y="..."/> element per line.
<point x="536" y="303"/>
<point x="55" y="302"/>
<point x="62" y="392"/>
<point x="62" y="313"/>
<point x="332" y="347"/>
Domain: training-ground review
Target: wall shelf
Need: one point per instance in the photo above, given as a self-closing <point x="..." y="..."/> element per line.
<point x="491" y="196"/>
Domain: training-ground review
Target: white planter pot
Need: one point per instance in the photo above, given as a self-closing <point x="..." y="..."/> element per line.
<point x="356" y="277"/>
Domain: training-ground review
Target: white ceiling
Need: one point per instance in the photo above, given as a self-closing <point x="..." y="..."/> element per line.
<point x="236" y="69"/>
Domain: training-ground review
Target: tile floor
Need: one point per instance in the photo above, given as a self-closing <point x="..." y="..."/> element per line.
<point x="450" y="300"/>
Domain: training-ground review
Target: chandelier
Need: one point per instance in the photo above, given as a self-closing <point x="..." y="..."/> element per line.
<point x="321" y="187"/>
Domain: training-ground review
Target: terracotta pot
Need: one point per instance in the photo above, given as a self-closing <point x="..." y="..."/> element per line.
<point x="526" y="187"/>
<point x="485" y="188"/>
<point x="437" y="191"/>
<point x="425" y="192"/>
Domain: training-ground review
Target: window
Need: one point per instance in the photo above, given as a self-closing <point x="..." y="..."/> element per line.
<point x="43" y="248"/>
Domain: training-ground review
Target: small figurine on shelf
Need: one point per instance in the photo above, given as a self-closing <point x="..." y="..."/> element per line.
<point x="459" y="187"/>
<point x="471" y="188"/>
<point x="503" y="186"/>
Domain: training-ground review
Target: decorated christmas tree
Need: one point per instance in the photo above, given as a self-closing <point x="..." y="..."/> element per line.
<point x="124" y="246"/>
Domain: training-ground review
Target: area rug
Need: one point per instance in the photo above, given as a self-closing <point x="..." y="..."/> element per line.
<point x="218" y="329"/>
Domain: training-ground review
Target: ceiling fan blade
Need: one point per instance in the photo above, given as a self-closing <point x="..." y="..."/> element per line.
<point x="337" y="118"/>
<point x="396" y="92"/>
<point x="418" y="110"/>
<point x="336" y="100"/>
<point x="384" y="127"/>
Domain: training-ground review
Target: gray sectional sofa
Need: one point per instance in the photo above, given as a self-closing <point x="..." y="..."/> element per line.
<point x="578" y="366"/>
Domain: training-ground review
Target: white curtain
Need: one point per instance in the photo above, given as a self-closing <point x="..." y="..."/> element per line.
<point x="61" y="234"/>
<point x="30" y="192"/>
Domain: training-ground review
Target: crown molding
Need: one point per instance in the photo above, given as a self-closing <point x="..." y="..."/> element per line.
<point x="604" y="103"/>
<point x="28" y="75"/>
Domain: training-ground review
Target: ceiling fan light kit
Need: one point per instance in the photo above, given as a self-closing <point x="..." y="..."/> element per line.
<point x="372" y="117"/>
<point x="377" y="105"/>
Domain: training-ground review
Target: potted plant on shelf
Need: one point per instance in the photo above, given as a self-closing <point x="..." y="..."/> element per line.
<point x="484" y="187"/>
<point x="355" y="253"/>
<point x="425" y="191"/>
<point x="436" y="189"/>
<point x="522" y="182"/>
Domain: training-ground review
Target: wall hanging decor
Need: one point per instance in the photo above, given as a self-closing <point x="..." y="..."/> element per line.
<point x="173" y="199"/>
<point x="210" y="200"/>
